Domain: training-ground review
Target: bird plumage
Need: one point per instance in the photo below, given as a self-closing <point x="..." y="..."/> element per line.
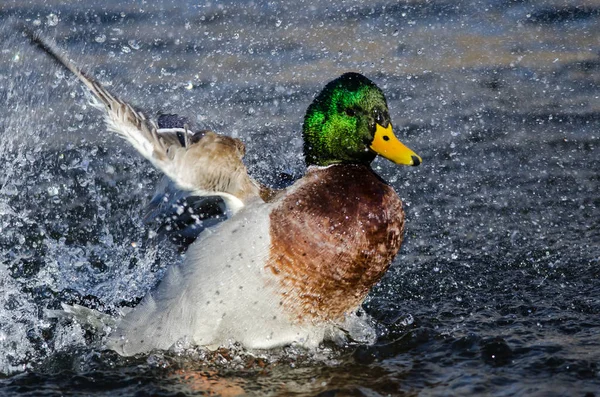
<point x="288" y="266"/>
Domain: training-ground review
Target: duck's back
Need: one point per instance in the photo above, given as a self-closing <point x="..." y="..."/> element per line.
<point x="278" y="272"/>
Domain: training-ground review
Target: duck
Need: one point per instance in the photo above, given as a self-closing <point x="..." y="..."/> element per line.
<point x="288" y="266"/>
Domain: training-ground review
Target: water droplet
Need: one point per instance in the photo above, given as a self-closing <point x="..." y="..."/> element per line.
<point x="407" y="320"/>
<point x="134" y="44"/>
<point x="125" y="49"/>
<point x="100" y="39"/>
<point x="52" y="20"/>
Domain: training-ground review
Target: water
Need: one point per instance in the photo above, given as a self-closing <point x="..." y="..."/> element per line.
<point x="496" y="289"/>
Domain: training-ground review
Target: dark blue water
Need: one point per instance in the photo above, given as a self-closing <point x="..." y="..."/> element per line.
<point x="496" y="289"/>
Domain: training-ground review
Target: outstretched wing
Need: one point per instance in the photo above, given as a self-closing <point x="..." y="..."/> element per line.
<point x="204" y="163"/>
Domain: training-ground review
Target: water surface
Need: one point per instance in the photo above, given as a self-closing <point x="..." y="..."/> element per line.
<point x="496" y="289"/>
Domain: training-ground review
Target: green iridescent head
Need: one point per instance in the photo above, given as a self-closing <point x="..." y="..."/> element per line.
<point x="349" y="122"/>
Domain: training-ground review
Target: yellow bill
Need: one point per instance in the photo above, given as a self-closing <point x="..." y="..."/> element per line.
<point x="387" y="145"/>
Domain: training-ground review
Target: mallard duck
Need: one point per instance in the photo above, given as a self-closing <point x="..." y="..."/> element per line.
<point x="288" y="266"/>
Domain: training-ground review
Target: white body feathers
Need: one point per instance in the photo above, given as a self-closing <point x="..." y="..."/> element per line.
<point x="222" y="293"/>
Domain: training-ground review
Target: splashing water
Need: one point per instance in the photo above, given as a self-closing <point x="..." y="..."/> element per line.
<point x="496" y="288"/>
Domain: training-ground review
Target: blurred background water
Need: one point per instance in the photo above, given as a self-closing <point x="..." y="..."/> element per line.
<point x="496" y="289"/>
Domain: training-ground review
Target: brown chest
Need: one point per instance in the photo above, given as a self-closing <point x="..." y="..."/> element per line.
<point x="332" y="238"/>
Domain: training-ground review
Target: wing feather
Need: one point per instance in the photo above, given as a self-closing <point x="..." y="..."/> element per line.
<point x="204" y="163"/>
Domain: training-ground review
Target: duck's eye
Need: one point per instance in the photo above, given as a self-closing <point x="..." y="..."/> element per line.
<point x="350" y="112"/>
<point x="378" y="117"/>
<point x="372" y="126"/>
